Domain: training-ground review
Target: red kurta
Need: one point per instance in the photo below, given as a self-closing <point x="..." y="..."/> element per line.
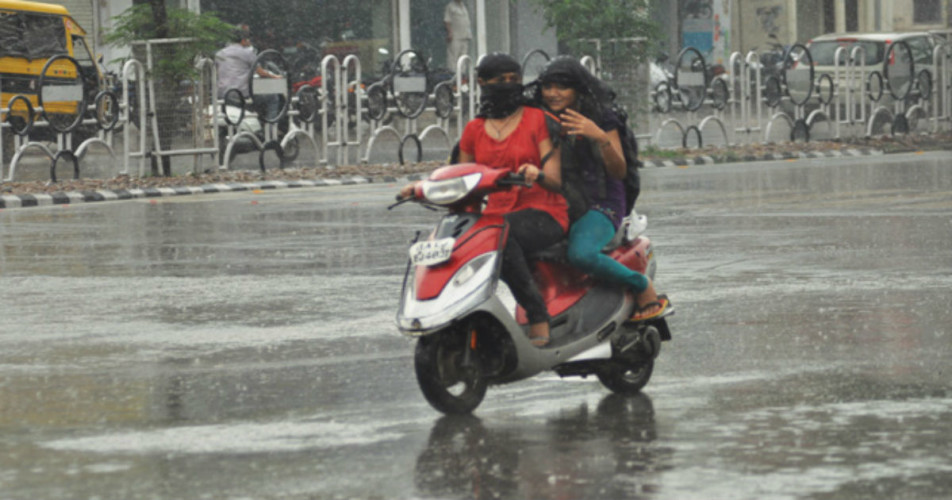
<point x="516" y="149"/>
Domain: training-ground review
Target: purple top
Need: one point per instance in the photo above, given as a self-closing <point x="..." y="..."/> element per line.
<point x="613" y="203"/>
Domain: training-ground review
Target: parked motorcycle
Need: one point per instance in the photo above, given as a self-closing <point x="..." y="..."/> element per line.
<point x="469" y="338"/>
<point x="241" y="124"/>
<point x="666" y="89"/>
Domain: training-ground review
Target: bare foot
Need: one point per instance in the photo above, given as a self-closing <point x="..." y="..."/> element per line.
<point x="539" y="334"/>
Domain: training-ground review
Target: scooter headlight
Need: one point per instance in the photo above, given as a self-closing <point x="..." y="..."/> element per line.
<point x="449" y="191"/>
<point x="470" y="269"/>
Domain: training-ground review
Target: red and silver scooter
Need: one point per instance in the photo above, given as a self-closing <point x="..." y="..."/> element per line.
<point x="471" y="336"/>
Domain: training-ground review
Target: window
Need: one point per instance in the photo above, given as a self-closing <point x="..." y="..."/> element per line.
<point x="926" y="11"/>
<point x="33" y="36"/>
<point x="921" y="48"/>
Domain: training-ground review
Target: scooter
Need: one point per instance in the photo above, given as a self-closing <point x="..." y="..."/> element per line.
<point x="469" y="336"/>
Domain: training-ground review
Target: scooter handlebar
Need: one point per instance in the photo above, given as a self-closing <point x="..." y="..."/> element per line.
<point x="519" y="180"/>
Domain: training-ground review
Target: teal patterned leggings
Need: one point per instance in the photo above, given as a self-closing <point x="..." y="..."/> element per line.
<point x="587" y="236"/>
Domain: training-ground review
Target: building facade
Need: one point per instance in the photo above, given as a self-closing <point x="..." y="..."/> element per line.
<point x="512" y="26"/>
<point x="792" y="21"/>
<point x="717" y="27"/>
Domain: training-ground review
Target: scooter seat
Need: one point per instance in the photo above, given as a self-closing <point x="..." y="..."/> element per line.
<point x="559" y="251"/>
<point x="553" y="253"/>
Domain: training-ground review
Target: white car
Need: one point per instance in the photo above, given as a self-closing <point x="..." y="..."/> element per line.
<point x="897" y="77"/>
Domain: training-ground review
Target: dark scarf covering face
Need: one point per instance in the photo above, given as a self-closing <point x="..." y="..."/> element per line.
<point x="499" y="100"/>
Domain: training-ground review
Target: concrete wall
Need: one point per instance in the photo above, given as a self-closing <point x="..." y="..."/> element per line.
<point x="528" y="32"/>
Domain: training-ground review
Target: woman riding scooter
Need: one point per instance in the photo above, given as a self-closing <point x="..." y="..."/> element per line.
<point x="508" y="135"/>
<point x="593" y="166"/>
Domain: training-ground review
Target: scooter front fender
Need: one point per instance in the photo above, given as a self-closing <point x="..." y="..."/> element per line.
<point x="471" y="287"/>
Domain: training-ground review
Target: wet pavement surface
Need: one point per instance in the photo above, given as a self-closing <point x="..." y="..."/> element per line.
<point x="242" y="346"/>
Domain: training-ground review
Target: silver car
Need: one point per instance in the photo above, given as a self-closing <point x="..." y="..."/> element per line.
<point x="908" y="73"/>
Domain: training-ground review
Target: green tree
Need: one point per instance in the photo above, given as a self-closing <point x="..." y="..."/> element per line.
<point x="576" y="21"/>
<point x="205" y="34"/>
<point x="613" y="23"/>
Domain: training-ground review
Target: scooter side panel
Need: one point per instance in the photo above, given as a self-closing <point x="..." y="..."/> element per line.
<point x="482" y="237"/>
<point x="560" y="285"/>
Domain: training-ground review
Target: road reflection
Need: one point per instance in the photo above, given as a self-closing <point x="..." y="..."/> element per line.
<point x="608" y="453"/>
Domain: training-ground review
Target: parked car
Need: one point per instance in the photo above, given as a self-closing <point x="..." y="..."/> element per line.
<point x="905" y="79"/>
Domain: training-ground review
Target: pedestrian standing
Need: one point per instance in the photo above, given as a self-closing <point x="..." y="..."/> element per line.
<point x="458" y="32"/>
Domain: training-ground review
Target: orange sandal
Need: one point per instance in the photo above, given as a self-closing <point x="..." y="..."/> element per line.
<point x="641" y="314"/>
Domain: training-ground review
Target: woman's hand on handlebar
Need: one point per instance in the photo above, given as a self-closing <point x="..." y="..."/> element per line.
<point x="408" y="190"/>
<point x="531" y="173"/>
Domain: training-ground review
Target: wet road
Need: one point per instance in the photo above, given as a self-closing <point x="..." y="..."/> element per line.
<point x="237" y="346"/>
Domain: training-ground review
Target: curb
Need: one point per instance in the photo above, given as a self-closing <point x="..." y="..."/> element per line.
<point x="73" y="197"/>
<point x="709" y="160"/>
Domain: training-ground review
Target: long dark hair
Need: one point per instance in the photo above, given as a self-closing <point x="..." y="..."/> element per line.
<point x="593" y="95"/>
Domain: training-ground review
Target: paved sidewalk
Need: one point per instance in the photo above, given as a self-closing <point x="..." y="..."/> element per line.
<point x="96" y="195"/>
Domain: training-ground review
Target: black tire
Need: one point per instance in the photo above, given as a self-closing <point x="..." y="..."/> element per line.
<point x="403" y="144"/>
<point x="772" y="93"/>
<point x="689" y="67"/>
<point x="694" y="132"/>
<point x="894" y="60"/>
<point x="626" y="378"/>
<point x="291" y="150"/>
<point x="447" y="386"/>
<point x="719" y="94"/>
<point x="272" y="145"/>
<point x="800" y="131"/>
<point x="900" y="125"/>
<point x="60" y="123"/>
<point x="797" y="59"/>
<point x="376" y="101"/>
<point x="107" y="110"/>
<point x="924" y="84"/>
<point x="875" y="86"/>
<point x="308" y="103"/>
<point x="443" y="95"/>
<point x="411" y="104"/>
<point x="19" y="125"/>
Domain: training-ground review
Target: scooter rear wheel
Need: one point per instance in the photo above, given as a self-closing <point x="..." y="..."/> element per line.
<point x="447" y="384"/>
<point x="626" y="378"/>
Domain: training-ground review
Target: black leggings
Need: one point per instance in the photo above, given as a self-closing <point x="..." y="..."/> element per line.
<point x="529" y="231"/>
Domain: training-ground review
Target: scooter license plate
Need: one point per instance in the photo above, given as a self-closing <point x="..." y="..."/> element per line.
<point x="429" y="253"/>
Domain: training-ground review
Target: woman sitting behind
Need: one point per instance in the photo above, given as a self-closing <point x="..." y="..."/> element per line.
<point x="593" y="167"/>
<point x="508" y="135"/>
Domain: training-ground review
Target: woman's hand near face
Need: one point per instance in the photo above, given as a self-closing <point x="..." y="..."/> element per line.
<point x="575" y="123"/>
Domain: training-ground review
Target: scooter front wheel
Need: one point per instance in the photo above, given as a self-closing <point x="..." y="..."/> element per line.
<point x="449" y="382"/>
<point x="626" y="378"/>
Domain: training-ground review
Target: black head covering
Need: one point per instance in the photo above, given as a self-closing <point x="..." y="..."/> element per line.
<point x="594" y="95"/>
<point x="499" y="100"/>
<point x="495" y="64"/>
